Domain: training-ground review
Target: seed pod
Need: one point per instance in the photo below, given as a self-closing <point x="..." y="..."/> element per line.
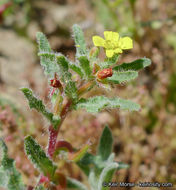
<point x="102" y="74"/>
<point x="55" y="83"/>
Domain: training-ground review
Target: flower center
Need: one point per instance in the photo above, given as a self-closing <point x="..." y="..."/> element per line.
<point x="110" y="44"/>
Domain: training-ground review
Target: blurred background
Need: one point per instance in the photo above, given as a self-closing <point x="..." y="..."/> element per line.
<point x="145" y="140"/>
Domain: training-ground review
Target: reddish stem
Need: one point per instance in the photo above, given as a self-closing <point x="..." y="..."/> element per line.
<point x="52" y="140"/>
<point x="53" y="133"/>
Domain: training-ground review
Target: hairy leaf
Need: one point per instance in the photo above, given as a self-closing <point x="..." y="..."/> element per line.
<point x="93" y="178"/>
<point x="109" y="62"/>
<point x="85" y="66"/>
<point x="103" y="163"/>
<point x="43" y="42"/>
<point x="40" y="107"/>
<point x="85" y="162"/>
<point x="135" y="65"/>
<point x="74" y="184"/>
<point x="122" y="165"/>
<point x="66" y="77"/>
<point x="105" y="144"/>
<point x="119" y="77"/>
<point x="106" y="175"/>
<point x="76" y="69"/>
<point x="38" y="157"/>
<point x="79" y="41"/>
<point x="98" y="103"/>
<point x="10" y="178"/>
<point x="47" y="57"/>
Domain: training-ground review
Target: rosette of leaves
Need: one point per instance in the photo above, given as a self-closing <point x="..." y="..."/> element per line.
<point x="66" y="95"/>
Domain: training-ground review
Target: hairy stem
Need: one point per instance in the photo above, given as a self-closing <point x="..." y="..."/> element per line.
<point x="53" y="133"/>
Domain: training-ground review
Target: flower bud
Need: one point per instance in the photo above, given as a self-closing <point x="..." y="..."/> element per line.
<point x="102" y="74"/>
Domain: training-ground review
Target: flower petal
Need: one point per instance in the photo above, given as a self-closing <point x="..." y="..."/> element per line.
<point x="115" y="37"/>
<point x="98" y="41"/>
<point x="126" y="43"/>
<point x="112" y="36"/>
<point x="109" y="52"/>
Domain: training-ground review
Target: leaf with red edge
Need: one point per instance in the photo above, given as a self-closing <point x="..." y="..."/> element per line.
<point x="62" y="146"/>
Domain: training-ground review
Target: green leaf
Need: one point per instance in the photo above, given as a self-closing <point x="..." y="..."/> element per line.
<point x="66" y="77"/>
<point x="85" y="66"/>
<point x="40" y="107"/>
<point x="78" y="155"/>
<point x="63" y="63"/>
<point x="109" y="62"/>
<point x="93" y="178"/>
<point x="74" y="184"/>
<point x="10" y="178"/>
<point x="76" y="69"/>
<point x="85" y="162"/>
<point x="47" y="57"/>
<point x="119" y="77"/>
<point x="135" y="65"/>
<point x="44" y="45"/>
<point x="105" y="144"/>
<point x="102" y="164"/>
<point x="79" y="41"/>
<point x="106" y="175"/>
<point x="3" y="148"/>
<point x="98" y="103"/>
<point x="84" y="168"/>
<point x="71" y="90"/>
<point x="122" y="166"/>
<point x="38" y="157"/>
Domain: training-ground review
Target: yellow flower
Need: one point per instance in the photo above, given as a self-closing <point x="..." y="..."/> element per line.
<point x="113" y="43"/>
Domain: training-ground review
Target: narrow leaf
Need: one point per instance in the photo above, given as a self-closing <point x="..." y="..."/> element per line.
<point x="10" y="178"/>
<point x="85" y="66"/>
<point x="106" y="175"/>
<point x="119" y="77"/>
<point x="47" y="57"/>
<point x="40" y="107"/>
<point x="98" y="103"/>
<point x="43" y="42"/>
<point x="105" y="144"/>
<point x="71" y="90"/>
<point x="76" y="69"/>
<point x="93" y="178"/>
<point x="66" y="77"/>
<point x="74" y="184"/>
<point x="122" y="165"/>
<point x="76" y="156"/>
<point x="38" y="157"/>
<point x="135" y="65"/>
<point x="79" y="41"/>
